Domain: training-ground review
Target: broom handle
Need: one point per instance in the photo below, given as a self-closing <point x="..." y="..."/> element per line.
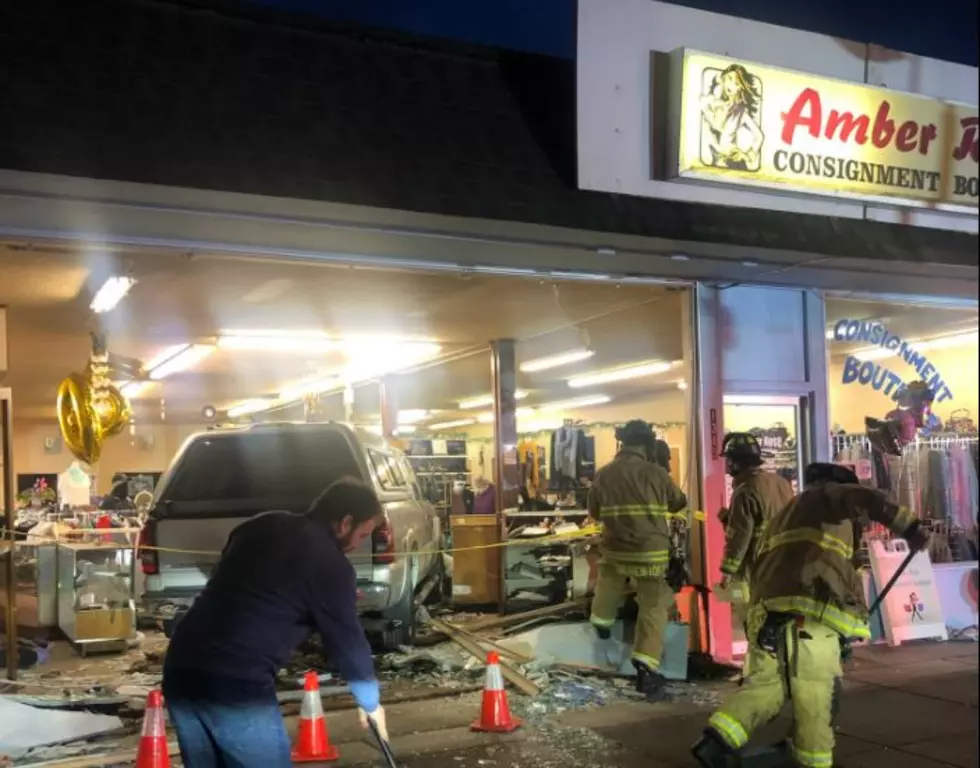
<point x="385" y="748"/>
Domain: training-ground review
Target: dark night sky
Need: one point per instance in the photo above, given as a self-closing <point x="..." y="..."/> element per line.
<point x="943" y="29"/>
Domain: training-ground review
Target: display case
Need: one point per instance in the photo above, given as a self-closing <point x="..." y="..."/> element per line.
<point x="35" y="583"/>
<point x="96" y="609"/>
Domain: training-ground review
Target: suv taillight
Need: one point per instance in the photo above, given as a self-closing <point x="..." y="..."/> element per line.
<point x="149" y="562"/>
<point x="383" y="543"/>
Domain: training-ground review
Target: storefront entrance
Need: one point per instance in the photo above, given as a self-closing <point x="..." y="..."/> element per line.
<point x="778" y="423"/>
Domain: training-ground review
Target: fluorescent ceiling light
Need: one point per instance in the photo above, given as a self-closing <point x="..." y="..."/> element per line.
<point x="682" y="385"/>
<point x="405" y="430"/>
<point x="487" y="418"/>
<point x="293" y="343"/>
<point x="620" y="374"/>
<point x="576" y="402"/>
<point x="372" y="358"/>
<point x="250" y="406"/>
<point x="301" y="390"/>
<point x="111" y="293"/>
<point x="555" y="361"/>
<point x="451" y="424"/>
<point x="131" y="389"/>
<point x="942" y="342"/>
<point x="186" y="357"/>
<point x="482" y="401"/>
<point x="413" y="416"/>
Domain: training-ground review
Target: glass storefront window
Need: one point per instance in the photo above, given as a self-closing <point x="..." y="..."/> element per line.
<point x="916" y="366"/>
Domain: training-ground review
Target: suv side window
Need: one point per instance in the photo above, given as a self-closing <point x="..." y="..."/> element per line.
<point x="386" y="469"/>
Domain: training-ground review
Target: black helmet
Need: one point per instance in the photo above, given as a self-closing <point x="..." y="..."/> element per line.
<point x="823" y="472"/>
<point x="741" y="451"/>
<point x="636" y="433"/>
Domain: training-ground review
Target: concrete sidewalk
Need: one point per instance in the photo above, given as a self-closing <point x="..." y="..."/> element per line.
<point x="909" y="707"/>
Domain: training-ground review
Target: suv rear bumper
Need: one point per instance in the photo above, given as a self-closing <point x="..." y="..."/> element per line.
<point x="163" y="606"/>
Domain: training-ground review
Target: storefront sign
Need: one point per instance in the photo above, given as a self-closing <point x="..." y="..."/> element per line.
<point x="871" y="373"/>
<point x="750" y="124"/>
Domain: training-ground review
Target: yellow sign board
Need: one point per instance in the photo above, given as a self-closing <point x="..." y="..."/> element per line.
<point x="752" y="124"/>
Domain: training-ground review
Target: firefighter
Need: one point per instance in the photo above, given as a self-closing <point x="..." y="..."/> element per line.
<point x="756" y="497"/>
<point x="807" y="604"/>
<point x="635" y="499"/>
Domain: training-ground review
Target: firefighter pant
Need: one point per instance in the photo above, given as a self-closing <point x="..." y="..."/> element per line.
<point x="806" y="670"/>
<point x="740" y="605"/>
<point x="653" y="597"/>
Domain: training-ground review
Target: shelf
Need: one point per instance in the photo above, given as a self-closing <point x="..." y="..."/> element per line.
<point x="437" y="456"/>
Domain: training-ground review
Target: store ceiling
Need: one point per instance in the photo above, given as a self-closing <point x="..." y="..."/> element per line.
<point x="179" y="298"/>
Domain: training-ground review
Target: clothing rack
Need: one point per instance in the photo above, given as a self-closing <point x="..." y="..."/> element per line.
<point x="935" y="476"/>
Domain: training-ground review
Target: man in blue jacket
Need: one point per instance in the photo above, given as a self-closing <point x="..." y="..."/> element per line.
<point x="281" y="577"/>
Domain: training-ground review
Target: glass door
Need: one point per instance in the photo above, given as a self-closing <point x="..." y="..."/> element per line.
<point x="779" y="423"/>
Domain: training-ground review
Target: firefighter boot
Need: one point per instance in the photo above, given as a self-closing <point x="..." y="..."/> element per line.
<point x="774" y="756"/>
<point x="651" y="684"/>
<point x="712" y="752"/>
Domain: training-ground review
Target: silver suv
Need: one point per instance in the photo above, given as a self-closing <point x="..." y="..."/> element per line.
<point x="220" y="478"/>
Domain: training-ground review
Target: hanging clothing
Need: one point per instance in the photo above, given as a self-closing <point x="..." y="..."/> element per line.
<point x="527" y="457"/>
<point x="564" y="451"/>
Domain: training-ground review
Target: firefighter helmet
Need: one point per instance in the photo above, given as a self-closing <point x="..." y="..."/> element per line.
<point x="741" y="451"/>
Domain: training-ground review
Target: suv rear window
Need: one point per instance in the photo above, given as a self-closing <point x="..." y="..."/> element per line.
<point x="295" y="465"/>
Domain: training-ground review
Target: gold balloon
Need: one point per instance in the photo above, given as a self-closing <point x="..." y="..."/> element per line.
<point x="90" y="408"/>
<point x="115" y="411"/>
<point x="81" y="427"/>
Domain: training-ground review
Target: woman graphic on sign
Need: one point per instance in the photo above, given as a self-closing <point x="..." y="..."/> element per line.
<point x="731" y="106"/>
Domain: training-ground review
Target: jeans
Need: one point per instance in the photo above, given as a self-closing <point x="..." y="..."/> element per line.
<point x="218" y="735"/>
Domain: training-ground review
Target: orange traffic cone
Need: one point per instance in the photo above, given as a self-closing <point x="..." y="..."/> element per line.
<point x="312" y="740"/>
<point x="495" y="714"/>
<point x="153" y="751"/>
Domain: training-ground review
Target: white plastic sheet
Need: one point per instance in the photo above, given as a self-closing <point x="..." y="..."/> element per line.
<point x="23" y="727"/>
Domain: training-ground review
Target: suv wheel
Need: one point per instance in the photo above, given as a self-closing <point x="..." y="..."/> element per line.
<point x="404" y="616"/>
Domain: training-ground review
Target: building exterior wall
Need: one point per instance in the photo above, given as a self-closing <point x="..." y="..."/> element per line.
<point x="616" y="117"/>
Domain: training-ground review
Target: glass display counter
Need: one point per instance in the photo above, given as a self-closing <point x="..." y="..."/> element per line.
<point x="96" y="609"/>
<point x="35" y="583"/>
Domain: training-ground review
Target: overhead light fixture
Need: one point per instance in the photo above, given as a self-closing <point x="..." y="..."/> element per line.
<point x="316" y="387"/>
<point x="682" y="385"/>
<point x="576" y="402"/>
<point x="371" y="358"/>
<point x="487" y="418"/>
<point x="926" y="345"/>
<point x="132" y="389"/>
<point x="620" y="374"/>
<point x="111" y="293"/>
<point x="186" y="356"/>
<point x="403" y="429"/>
<point x="250" y="406"/>
<point x="483" y="401"/>
<point x="451" y="424"/>
<point x="555" y="361"/>
<point x="413" y="416"/>
<point x="305" y="341"/>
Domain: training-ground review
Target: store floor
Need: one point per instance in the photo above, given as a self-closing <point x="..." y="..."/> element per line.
<point x="913" y="707"/>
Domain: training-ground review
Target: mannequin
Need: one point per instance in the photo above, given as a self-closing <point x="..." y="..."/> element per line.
<point x="75" y="485"/>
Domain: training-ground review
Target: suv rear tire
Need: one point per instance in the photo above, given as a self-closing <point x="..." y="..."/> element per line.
<point x="403" y="614"/>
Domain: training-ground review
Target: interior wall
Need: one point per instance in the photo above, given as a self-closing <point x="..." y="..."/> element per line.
<point x="850" y="403"/>
<point x="148" y="449"/>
